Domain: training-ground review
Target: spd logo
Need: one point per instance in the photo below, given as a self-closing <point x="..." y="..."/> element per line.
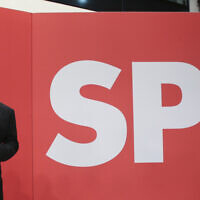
<point x="150" y="117"/>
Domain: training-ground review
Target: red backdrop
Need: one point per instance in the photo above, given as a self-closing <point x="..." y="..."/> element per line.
<point x="15" y="87"/>
<point x="117" y="39"/>
<point x="114" y="38"/>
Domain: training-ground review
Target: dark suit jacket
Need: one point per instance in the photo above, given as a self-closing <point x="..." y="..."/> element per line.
<point x="8" y="136"/>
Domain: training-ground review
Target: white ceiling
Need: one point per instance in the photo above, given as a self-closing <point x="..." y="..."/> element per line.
<point x="39" y="6"/>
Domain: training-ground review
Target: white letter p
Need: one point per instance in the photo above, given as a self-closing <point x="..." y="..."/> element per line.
<point x="150" y="118"/>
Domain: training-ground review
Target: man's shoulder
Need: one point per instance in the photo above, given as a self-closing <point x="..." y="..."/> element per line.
<point x="5" y="108"/>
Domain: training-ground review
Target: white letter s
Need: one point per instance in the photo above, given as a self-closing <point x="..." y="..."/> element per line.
<point x="108" y="121"/>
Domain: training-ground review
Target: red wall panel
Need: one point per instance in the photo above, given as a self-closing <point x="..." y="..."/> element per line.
<point x="15" y="87"/>
<point x="117" y="39"/>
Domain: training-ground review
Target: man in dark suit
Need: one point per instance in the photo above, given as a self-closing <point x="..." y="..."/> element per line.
<point x="8" y="137"/>
<point x="199" y="4"/>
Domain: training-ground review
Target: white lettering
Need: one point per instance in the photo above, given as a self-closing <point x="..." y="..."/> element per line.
<point x="108" y="121"/>
<point x="150" y="118"/>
